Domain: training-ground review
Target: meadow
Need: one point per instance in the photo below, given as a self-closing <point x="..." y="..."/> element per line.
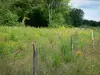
<point x="55" y="53"/>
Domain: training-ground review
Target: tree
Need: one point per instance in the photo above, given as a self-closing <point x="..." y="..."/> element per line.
<point x="75" y="17"/>
<point x="91" y="23"/>
<point x="6" y="16"/>
<point x="55" y="7"/>
<point x="53" y="10"/>
<point x="25" y="11"/>
<point x="21" y="8"/>
<point x="99" y="23"/>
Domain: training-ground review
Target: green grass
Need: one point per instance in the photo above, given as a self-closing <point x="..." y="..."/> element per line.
<point x="55" y="56"/>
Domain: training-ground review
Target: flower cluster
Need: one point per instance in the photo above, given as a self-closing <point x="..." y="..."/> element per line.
<point x="79" y="52"/>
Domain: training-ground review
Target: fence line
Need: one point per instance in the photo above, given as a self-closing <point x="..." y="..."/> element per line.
<point x="35" y="53"/>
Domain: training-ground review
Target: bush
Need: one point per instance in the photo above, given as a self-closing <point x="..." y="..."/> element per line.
<point x="8" y="18"/>
<point x="57" y="20"/>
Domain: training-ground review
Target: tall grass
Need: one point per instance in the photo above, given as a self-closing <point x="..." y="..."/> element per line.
<point x="55" y="56"/>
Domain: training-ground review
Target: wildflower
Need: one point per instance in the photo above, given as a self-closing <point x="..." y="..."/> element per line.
<point x="79" y="52"/>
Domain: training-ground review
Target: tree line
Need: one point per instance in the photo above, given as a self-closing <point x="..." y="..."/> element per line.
<point x="41" y="13"/>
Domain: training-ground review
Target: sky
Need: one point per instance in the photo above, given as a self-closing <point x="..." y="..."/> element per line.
<point x="91" y="8"/>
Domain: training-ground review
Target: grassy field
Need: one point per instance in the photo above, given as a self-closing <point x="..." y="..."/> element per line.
<point x="55" y="54"/>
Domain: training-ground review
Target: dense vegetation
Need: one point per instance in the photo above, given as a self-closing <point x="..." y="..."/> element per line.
<point x="56" y="53"/>
<point x="33" y="12"/>
<point x="55" y="56"/>
<point x="41" y="13"/>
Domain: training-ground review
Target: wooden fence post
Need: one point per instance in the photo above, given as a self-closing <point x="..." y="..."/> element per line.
<point x="72" y="46"/>
<point x="92" y="38"/>
<point x="35" y="59"/>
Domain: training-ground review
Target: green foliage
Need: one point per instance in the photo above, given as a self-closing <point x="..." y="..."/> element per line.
<point x="66" y="52"/>
<point x="91" y="23"/>
<point x="11" y="19"/>
<point x="75" y="17"/>
<point x="51" y="13"/>
<point x="14" y="11"/>
<point x="58" y="20"/>
<point x="55" y="56"/>
<point x="56" y="11"/>
<point x="6" y="16"/>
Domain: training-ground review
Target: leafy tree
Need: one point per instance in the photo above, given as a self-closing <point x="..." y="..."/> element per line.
<point x="99" y="23"/>
<point x="91" y="23"/>
<point x="6" y="16"/>
<point x="39" y="12"/>
<point x="21" y="8"/>
<point x="75" y="17"/>
<point x="55" y="7"/>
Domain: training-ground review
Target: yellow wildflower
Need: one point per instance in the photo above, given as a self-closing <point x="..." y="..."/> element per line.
<point x="79" y="52"/>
